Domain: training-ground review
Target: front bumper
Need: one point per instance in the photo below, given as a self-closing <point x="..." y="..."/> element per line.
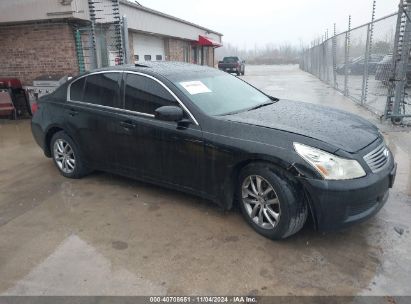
<point x="338" y="204"/>
<point x="228" y="70"/>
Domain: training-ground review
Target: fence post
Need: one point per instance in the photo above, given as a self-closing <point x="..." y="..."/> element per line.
<point x="92" y="35"/>
<point x="79" y="50"/>
<point x="125" y="40"/>
<point x="367" y="56"/>
<point x="334" y="56"/>
<point x="347" y="56"/>
<point x="403" y="52"/>
<point x="325" y="58"/>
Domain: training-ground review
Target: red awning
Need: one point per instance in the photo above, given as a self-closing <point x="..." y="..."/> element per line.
<point x="205" y="41"/>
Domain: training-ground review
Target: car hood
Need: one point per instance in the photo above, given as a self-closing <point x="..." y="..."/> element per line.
<point x="341" y="129"/>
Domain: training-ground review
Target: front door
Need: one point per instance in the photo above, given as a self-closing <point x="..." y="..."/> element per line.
<point x="159" y="149"/>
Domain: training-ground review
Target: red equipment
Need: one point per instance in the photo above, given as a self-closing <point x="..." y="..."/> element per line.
<point x="6" y="104"/>
<point x="13" y="98"/>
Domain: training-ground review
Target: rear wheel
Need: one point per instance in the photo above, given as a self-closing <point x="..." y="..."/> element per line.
<point x="271" y="201"/>
<point x="67" y="156"/>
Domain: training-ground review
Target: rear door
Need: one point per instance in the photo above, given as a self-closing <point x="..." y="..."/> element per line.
<point x="93" y="117"/>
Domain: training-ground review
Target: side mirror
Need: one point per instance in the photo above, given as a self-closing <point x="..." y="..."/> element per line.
<point x="169" y="113"/>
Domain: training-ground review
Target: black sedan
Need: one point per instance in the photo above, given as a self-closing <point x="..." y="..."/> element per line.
<point x="206" y="132"/>
<point x="356" y="65"/>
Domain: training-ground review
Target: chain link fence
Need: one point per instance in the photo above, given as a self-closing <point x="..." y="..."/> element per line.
<point x="359" y="62"/>
<point x="102" y="42"/>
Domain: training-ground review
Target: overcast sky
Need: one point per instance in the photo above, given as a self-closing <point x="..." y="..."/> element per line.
<point x="246" y="23"/>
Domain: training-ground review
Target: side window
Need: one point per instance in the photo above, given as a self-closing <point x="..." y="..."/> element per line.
<point x="103" y="89"/>
<point x="144" y="95"/>
<point x="147" y="57"/>
<point x="76" y="89"/>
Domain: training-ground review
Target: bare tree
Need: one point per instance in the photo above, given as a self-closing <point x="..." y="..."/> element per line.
<point x="268" y="54"/>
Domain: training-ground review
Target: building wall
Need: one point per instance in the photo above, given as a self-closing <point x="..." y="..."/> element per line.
<point x="130" y="48"/>
<point x="182" y="50"/>
<point x="35" y="10"/>
<point x="145" y="20"/>
<point x="30" y="50"/>
<point x="175" y="49"/>
<point x="211" y="57"/>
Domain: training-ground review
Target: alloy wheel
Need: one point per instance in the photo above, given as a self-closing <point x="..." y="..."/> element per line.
<point x="261" y="201"/>
<point x="64" y="156"/>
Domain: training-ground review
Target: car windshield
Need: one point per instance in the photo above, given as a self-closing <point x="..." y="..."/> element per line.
<point x="222" y="94"/>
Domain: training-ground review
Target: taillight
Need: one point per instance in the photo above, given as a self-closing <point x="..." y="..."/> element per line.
<point x="34" y="107"/>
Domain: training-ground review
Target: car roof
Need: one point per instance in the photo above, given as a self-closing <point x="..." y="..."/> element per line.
<point x="164" y="68"/>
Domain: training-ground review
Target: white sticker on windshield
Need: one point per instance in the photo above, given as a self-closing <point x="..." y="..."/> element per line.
<point x="195" y="87"/>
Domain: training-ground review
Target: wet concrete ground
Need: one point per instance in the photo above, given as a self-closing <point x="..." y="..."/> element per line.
<point x="108" y="235"/>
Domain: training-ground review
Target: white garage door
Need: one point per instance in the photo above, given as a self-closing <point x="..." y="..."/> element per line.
<point x="148" y="48"/>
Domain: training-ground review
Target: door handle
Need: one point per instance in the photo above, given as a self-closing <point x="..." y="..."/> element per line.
<point x="72" y="112"/>
<point x="127" y="125"/>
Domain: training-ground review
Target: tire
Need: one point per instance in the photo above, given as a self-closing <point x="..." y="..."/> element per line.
<point x="290" y="206"/>
<point x="243" y="72"/>
<point x="62" y="144"/>
<point x="238" y="73"/>
<point x="397" y="121"/>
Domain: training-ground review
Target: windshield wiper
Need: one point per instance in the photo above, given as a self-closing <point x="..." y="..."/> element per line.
<point x="250" y="109"/>
<point x="261" y="105"/>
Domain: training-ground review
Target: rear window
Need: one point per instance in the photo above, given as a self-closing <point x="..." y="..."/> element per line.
<point x="76" y="89"/>
<point x="230" y="59"/>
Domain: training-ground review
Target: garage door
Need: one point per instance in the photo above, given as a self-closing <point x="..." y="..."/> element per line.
<point x="148" y="48"/>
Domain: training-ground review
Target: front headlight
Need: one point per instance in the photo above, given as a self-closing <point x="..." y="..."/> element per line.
<point x="328" y="165"/>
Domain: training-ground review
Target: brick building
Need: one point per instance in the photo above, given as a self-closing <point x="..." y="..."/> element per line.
<point x="39" y="37"/>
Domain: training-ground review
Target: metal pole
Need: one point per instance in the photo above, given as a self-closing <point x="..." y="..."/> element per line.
<point x="125" y="41"/>
<point x="325" y="62"/>
<point x="334" y="50"/>
<point x="402" y="65"/>
<point x="367" y="56"/>
<point x="92" y="37"/>
<point x="79" y="50"/>
<point x="395" y="58"/>
<point x="347" y="56"/>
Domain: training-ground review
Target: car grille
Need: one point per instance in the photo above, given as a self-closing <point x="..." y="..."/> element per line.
<point x="378" y="158"/>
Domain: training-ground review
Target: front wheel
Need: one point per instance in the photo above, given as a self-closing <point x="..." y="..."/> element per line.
<point x="271" y="201"/>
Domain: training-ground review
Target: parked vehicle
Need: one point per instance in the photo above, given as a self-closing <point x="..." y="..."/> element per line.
<point x="385" y="70"/>
<point x="205" y="132"/>
<point x="356" y="66"/>
<point x="232" y="65"/>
